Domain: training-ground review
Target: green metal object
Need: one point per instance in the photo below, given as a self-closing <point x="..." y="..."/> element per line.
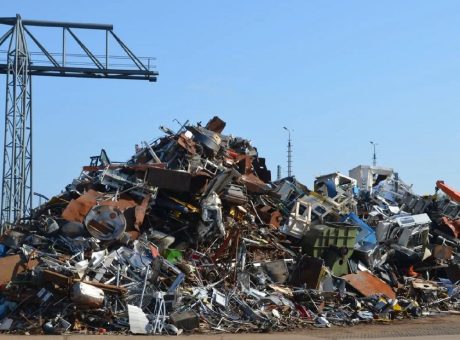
<point x="173" y="255"/>
<point x="333" y="242"/>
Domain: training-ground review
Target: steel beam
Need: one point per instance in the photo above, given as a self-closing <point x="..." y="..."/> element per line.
<point x="45" y="23"/>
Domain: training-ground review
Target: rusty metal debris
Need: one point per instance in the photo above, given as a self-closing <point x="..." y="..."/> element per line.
<point x="192" y="235"/>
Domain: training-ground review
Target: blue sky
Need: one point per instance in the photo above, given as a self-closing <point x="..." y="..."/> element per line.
<point x="339" y="73"/>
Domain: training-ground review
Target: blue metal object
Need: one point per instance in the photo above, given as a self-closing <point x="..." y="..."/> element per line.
<point x="6" y="307"/>
<point x="331" y="189"/>
<point x="3" y="250"/>
<point x="179" y="279"/>
<point x="366" y="235"/>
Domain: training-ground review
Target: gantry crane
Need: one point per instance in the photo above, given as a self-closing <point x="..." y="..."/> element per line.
<point x="20" y="64"/>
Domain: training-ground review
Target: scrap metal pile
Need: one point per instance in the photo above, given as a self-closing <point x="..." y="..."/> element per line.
<point x="192" y="234"/>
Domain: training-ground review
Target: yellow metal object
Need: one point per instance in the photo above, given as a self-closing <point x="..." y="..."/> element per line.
<point x="190" y="207"/>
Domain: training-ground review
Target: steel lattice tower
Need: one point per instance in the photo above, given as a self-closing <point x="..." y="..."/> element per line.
<point x="17" y="151"/>
<point x="289" y="152"/>
<point x="19" y="68"/>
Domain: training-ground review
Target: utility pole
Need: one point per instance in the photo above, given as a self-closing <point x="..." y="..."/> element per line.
<point x="374" y="158"/>
<point x="278" y="173"/>
<point x="289" y="152"/>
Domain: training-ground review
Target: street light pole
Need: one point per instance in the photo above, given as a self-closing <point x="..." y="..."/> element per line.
<point x="289" y="165"/>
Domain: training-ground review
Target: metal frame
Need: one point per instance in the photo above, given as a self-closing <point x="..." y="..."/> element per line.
<point x="17" y="152"/>
<point x="19" y="68"/>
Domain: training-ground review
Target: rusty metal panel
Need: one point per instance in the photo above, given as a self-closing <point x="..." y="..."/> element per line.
<point x="123" y="203"/>
<point x="244" y="164"/>
<point x="187" y="143"/>
<point x="442" y="252"/>
<point x="140" y="210"/>
<point x="216" y="125"/>
<point x="254" y="184"/>
<point x="77" y="209"/>
<point x="10" y="267"/>
<point x="453" y="225"/>
<point x="269" y="215"/>
<point x="368" y="284"/>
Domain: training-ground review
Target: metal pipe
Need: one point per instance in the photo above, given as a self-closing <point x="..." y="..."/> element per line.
<point x="106" y="50"/>
<point x="63" y="47"/>
<point x="145" y="285"/>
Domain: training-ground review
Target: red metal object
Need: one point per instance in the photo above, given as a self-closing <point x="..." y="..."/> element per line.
<point x="454" y="195"/>
<point x="230" y="238"/>
<point x="233" y="154"/>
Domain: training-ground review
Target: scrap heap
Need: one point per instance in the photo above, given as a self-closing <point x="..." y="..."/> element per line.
<point x="191" y="234"/>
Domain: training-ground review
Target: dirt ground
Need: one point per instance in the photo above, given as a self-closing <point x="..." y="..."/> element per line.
<point x="430" y="326"/>
<point x="442" y="327"/>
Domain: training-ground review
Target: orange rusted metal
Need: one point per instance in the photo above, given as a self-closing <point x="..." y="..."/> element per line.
<point x="368" y="284"/>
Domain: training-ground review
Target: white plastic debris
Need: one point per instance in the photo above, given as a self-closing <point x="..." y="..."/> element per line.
<point x="87" y="295"/>
<point x="138" y="322"/>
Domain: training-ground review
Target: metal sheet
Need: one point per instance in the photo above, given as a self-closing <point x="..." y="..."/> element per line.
<point x="169" y="179"/>
<point x="11" y="266"/>
<point x="77" y="209"/>
<point x="309" y="271"/>
<point x="254" y="184"/>
<point x="368" y="284"/>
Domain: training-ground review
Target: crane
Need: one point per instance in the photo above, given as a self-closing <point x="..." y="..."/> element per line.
<point x="449" y="191"/>
<point x="20" y="64"/>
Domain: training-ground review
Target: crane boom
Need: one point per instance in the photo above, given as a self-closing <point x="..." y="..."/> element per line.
<point x="454" y="195"/>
